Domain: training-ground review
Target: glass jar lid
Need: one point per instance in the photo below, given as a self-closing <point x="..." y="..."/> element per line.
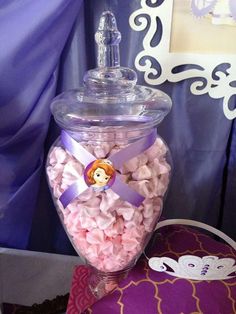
<point x="110" y="96"/>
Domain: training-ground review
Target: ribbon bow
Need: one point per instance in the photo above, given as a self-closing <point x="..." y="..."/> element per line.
<point x="118" y="186"/>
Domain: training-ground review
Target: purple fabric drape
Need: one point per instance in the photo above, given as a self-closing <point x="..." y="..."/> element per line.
<point x="227" y="219"/>
<point x="32" y="36"/>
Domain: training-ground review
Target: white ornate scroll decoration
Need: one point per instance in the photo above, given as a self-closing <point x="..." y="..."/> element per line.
<point x="196" y="268"/>
<point x="214" y="75"/>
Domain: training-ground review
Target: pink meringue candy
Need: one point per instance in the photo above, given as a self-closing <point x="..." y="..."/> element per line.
<point x="102" y="150"/>
<point x="142" y="173"/>
<point x="158" y="149"/>
<point x="106" y="230"/>
<point x="58" y="156"/>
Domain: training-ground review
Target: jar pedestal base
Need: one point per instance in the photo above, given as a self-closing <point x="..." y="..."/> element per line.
<point x="101" y="283"/>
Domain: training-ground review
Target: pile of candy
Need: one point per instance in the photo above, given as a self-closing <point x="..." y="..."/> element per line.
<point x="108" y="231"/>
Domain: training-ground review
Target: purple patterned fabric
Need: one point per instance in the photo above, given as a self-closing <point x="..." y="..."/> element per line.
<point x="150" y="292"/>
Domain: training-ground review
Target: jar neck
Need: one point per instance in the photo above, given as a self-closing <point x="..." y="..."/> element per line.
<point x="120" y="135"/>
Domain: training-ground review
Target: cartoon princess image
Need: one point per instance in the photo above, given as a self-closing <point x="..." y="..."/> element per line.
<point x="100" y="174"/>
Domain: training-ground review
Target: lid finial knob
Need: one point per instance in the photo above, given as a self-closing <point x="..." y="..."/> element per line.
<point x="108" y="38"/>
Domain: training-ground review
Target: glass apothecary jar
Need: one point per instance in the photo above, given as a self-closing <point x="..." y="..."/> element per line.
<point x="109" y="170"/>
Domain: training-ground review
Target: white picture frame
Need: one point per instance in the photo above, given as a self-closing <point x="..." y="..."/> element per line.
<point x="203" y="69"/>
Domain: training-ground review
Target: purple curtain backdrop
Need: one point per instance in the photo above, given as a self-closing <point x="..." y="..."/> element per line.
<point x="46" y="46"/>
<point x="32" y="36"/>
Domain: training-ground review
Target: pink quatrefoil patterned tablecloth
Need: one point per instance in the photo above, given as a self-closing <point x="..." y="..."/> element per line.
<point x="145" y="291"/>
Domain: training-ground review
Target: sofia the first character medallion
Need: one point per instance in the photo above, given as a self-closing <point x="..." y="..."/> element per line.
<point x="100" y="175"/>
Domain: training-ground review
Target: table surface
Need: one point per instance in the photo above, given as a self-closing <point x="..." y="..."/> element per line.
<point x="31" y="277"/>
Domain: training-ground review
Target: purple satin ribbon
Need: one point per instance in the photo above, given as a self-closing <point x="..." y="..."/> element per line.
<point x="73" y="191"/>
<point x="119" y="187"/>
